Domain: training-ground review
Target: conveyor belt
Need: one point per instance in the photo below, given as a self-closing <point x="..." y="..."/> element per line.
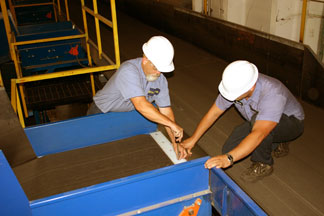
<point x="66" y="171"/>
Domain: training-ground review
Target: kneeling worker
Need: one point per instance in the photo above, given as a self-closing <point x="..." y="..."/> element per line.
<point x="273" y="118"/>
<point x="139" y="82"/>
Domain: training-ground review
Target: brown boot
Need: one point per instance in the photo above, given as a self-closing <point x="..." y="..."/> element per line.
<point x="282" y="150"/>
<point x="256" y="172"/>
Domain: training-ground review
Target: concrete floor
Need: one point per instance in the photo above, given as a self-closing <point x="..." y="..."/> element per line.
<point x="296" y="186"/>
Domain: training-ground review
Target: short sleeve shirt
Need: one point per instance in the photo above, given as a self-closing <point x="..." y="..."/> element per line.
<point x="269" y="100"/>
<point x="129" y="81"/>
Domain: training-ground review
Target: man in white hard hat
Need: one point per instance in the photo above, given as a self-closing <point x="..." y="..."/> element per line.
<point x="139" y="82"/>
<point x="273" y="118"/>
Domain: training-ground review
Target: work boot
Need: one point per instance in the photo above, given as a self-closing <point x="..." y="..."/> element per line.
<point x="256" y="172"/>
<point x="282" y="150"/>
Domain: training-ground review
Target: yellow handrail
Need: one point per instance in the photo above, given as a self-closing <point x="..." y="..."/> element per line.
<point x="19" y="43"/>
<point x="65" y="73"/>
<point x="32" y="5"/>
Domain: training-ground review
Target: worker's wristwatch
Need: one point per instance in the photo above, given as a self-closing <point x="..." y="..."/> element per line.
<point x="230" y="158"/>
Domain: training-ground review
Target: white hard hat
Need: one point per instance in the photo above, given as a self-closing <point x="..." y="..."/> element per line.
<point x="160" y="52"/>
<point x="238" y="78"/>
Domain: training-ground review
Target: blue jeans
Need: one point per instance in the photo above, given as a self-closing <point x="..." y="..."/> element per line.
<point x="288" y="129"/>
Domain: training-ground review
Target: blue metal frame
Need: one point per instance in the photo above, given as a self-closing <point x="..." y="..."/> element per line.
<point x="164" y="191"/>
<point x="151" y="190"/>
<point x="228" y="198"/>
<point x="86" y="131"/>
<point x="131" y="193"/>
<point x="34" y="14"/>
<point x="13" y="200"/>
<point x="115" y="197"/>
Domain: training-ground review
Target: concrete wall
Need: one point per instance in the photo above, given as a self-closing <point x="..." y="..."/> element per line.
<point x="275" y="56"/>
<point x="277" y="17"/>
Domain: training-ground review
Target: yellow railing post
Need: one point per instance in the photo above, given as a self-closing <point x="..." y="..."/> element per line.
<point x="23" y="98"/>
<point x="15" y="59"/>
<point x="54" y="11"/>
<point x="85" y="24"/>
<point x="67" y="11"/>
<point x="59" y="7"/>
<point x="1" y="82"/>
<point x="115" y="31"/>
<point x="95" y="10"/>
<point x="303" y="19"/>
<point x="205" y="7"/>
<point x="13" y="95"/>
<point x="20" y="114"/>
<point x="12" y="10"/>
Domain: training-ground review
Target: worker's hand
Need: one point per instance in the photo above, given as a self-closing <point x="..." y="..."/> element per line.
<point x="219" y="161"/>
<point x="182" y="153"/>
<point x="188" y="144"/>
<point x="177" y="132"/>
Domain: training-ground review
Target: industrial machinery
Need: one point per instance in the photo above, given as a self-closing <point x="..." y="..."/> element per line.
<point x="107" y="164"/>
<point x="104" y="164"/>
<point x="52" y="60"/>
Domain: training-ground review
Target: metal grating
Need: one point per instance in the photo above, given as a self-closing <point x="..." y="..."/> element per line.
<point x="47" y="94"/>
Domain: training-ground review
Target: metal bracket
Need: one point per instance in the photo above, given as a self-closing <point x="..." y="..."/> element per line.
<point x="191" y="210"/>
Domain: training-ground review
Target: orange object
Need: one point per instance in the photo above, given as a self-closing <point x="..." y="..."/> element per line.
<point x="74" y="50"/>
<point x="191" y="210"/>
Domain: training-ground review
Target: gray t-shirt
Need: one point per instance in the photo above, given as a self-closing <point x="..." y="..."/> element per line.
<point x="129" y="81"/>
<point x="270" y="99"/>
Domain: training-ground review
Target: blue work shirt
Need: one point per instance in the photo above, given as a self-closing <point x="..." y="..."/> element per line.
<point x="270" y="100"/>
<point x="129" y="81"/>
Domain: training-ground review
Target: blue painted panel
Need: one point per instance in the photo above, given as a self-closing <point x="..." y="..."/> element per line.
<point x="86" y="131"/>
<point x="34" y="14"/>
<point x="13" y="200"/>
<point x="46" y="35"/>
<point x="43" y="28"/>
<point x="54" y="52"/>
<point x="130" y="193"/>
<point x="228" y="197"/>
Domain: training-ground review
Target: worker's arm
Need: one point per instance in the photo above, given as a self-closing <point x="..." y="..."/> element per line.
<point x="150" y="112"/>
<point x="167" y="111"/>
<point x="260" y="130"/>
<point x="210" y="117"/>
